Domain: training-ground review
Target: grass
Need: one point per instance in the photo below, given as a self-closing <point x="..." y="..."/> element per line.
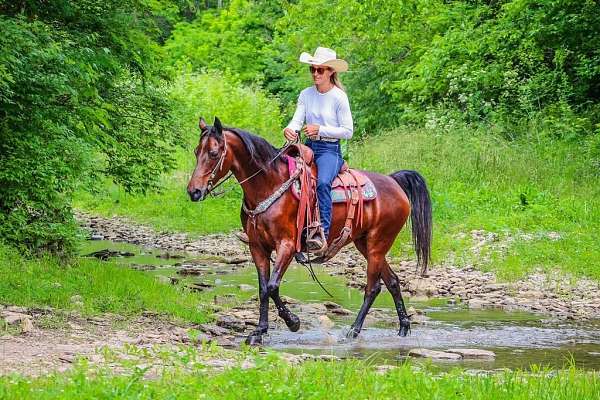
<point x="101" y="287"/>
<point x="524" y="191"/>
<point x="188" y="378"/>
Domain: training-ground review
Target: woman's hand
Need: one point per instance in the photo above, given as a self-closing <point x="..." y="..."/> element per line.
<point x="312" y="130"/>
<point x="290" y="134"/>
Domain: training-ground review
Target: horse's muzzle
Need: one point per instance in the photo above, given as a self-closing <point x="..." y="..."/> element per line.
<point x="197" y="194"/>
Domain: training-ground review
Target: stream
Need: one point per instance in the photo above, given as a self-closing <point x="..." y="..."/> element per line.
<point x="519" y="339"/>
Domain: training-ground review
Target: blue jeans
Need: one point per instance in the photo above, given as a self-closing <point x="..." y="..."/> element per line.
<point x="328" y="157"/>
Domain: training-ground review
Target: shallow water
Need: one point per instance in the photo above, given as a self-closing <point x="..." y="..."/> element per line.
<point x="519" y="339"/>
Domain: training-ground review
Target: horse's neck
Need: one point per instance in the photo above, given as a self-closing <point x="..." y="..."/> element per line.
<point x="257" y="186"/>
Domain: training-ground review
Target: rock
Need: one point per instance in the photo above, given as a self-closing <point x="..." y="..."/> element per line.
<point x="16" y="309"/>
<point x="96" y="236"/>
<point x="422" y="286"/>
<point x="326" y="322"/>
<point x="418" y="319"/>
<point x="330" y="305"/>
<point x="143" y="267"/>
<point x="12" y="318"/>
<point x="494" y="286"/>
<point x="236" y="260"/>
<point x="433" y="354"/>
<point x="246" y="288"/>
<point x="341" y="311"/>
<point x="224" y="341"/>
<point x="26" y="325"/>
<point x="532" y="294"/>
<point x="229" y="322"/>
<point x="328" y="357"/>
<point x="313" y="308"/>
<point x="188" y="270"/>
<point x="289" y="300"/>
<point x="477" y="304"/>
<point x="419" y="298"/>
<point x="474" y="354"/>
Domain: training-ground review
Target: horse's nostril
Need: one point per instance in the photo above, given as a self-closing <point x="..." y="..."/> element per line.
<point x="196" y="194"/>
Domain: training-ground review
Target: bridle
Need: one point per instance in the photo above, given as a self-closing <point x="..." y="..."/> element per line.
<point x="210" y="187"/>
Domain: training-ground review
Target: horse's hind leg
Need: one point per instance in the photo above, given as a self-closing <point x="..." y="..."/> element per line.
<point x="285" y="252"/>
<point x="393" y="284"/>
<point x="371" y="291"/>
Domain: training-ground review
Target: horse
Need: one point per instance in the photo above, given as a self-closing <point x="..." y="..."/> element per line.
<point x="261" y="170"/>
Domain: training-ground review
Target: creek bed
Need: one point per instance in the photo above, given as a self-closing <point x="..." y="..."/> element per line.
<point x="518" y="339"/>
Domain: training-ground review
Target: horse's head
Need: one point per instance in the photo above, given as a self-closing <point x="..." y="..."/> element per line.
<point x="211" y="163"/>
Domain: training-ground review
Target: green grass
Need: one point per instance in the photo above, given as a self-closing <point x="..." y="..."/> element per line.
<point x="103" y="287"/>
<point x="272" y="379"/>
<point x="477" y="181"/>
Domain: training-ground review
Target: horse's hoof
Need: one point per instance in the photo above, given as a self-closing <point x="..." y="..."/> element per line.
<point x="404" y="328"/>
<point x="254" y="339"/>
<point x="352" y="333"/>
<point x="293" y="323"/>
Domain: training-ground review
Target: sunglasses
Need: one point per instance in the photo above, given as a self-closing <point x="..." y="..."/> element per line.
<point x="318" y="70"/>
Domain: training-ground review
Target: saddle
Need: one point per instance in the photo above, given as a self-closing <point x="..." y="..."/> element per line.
<point x="350" y="186"/>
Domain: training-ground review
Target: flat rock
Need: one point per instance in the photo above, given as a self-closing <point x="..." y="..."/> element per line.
<point x="477" y="304"/>
<point x="12" y="318"/>
<point x="434" y="354"/>
<point x="474" y="353"/>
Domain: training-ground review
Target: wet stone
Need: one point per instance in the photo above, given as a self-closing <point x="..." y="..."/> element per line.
<point x="473" y="353"/>
<point x="229" y="322"/>
<point x="434" y="354"/>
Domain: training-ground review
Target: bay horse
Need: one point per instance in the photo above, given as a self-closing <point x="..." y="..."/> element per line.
<point x="261" y="171"/>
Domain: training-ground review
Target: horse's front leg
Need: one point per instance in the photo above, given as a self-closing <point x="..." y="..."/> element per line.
<point x="285" y="253"/>
<point x="262" y="262"/>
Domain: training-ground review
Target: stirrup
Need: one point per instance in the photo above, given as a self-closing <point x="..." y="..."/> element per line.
<point x="316" y="242"/>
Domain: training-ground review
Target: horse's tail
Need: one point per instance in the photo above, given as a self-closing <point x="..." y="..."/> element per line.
<point x="415" y="188"/>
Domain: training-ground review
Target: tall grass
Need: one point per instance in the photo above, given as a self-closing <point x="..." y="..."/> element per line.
<point x="524" y="191"/>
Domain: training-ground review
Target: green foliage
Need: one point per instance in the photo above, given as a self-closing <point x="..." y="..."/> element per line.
<point x="232" y="39"/>
<point x="77" y="101"/>
<point x="195" y="95"/>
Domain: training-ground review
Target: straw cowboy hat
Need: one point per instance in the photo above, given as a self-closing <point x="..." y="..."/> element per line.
<point x="324" y="56"/>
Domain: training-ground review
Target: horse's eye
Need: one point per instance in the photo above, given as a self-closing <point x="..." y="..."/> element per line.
<point x="213" y="154"/>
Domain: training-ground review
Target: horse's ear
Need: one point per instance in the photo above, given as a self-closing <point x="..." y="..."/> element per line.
<point x="218" y="127"/>
<point x="202" y="124"/>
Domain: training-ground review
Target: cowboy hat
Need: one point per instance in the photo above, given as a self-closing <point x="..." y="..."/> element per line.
<point x="324" y="56"/>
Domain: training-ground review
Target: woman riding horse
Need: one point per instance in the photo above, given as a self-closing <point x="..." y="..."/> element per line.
<point x="271" y="209"/>
<point x="326" y="110"/>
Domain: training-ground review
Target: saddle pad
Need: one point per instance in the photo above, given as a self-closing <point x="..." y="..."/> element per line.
<point x="338" y="194"/>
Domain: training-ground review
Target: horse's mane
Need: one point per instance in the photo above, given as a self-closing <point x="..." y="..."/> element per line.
<point x="261" y="152"/>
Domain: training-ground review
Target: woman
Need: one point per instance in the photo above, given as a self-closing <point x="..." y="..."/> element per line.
<point x="326" y="110"/>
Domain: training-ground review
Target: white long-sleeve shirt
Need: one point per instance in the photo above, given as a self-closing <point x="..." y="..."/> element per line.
<point x="330" y="110"/>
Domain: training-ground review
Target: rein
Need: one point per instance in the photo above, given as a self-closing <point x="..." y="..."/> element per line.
<point x="219" y="166"/>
